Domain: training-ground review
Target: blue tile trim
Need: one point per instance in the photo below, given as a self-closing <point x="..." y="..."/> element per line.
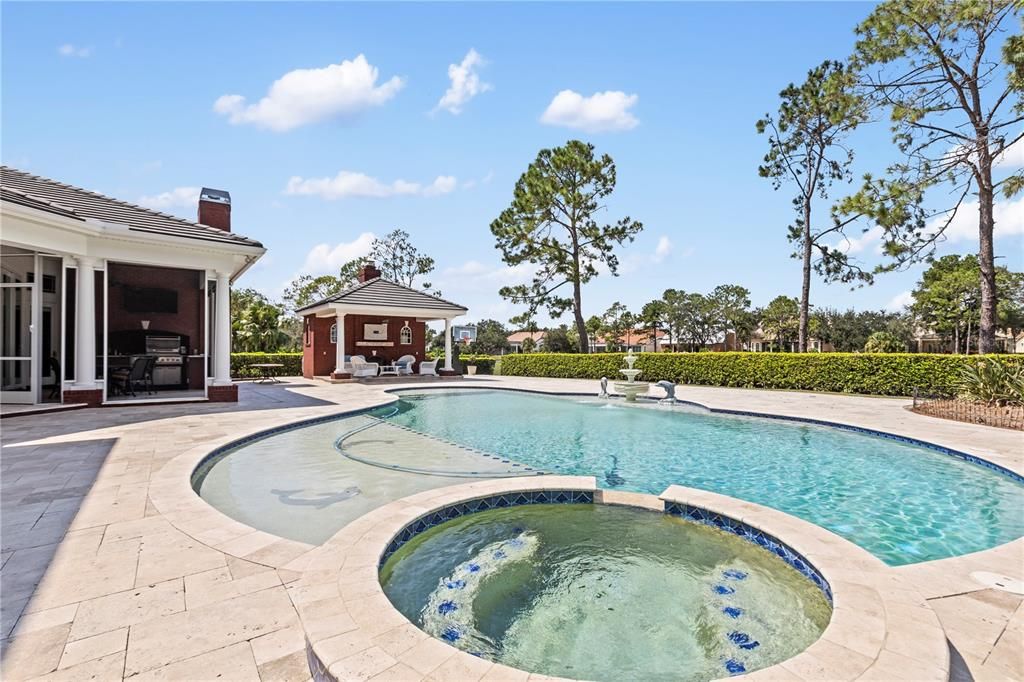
<point x="454" y="511"/>
<point x="756" y="536"/>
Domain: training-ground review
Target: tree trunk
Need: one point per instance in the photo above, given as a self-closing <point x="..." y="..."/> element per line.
<point x="986" y="250"/>
<point x="805" y="289"/>
<point x="581" y="325"/>
<point x="986" y="263"/>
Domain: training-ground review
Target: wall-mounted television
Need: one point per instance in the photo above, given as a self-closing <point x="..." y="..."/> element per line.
<point x="150" y="300"/>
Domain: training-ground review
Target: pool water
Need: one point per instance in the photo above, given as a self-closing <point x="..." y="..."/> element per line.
<point x="604" y="593"/>
<point x="904" y="503"/>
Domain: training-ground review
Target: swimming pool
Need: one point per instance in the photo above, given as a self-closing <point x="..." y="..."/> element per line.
<point x="904" y="503"/>
<point x="604" y="593"/>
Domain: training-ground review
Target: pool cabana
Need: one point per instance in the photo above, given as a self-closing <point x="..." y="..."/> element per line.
<point x="378" y="319"/>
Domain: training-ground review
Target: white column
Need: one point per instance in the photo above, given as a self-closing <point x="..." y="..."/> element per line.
<point x="339" y="347"/>
<point x="85" y="324"/>
<point x="222" y="325"/>
<point x="447" y="345"/>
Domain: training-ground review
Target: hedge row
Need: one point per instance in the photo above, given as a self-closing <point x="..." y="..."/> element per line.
<point x="240" y="364"/>
<point x="870" y="373"/>
<point x="484" y="363"/>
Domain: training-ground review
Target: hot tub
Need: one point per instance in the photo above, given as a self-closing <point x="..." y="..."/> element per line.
<point x="604" y="592"/>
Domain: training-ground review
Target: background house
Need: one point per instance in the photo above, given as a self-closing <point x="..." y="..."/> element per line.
<point x="517" y="340"/>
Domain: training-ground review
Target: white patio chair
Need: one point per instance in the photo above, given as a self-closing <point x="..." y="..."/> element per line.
<point x="405" y="364"/>
<point x="362" y="368"/>
<point x="428" y="367"/>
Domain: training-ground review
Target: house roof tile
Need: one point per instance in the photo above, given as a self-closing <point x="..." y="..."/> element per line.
<point x="74" y="202"/>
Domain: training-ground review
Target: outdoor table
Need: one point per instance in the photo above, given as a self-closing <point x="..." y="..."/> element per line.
<point x="389" y="369"/>
<point x="266" y="370"/>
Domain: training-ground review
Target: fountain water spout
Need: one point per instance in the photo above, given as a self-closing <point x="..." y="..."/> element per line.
<point x="631" y="388"/>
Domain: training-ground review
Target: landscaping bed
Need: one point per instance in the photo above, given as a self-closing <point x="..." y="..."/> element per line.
<point x="973" y="412"/>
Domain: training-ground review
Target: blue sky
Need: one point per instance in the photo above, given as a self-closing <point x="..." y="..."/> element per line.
<point x="138" y="101"/>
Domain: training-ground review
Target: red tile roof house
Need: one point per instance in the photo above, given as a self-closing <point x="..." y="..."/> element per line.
<point x="378" y="319"/>
<point x="94" y="288"/>
<point x="517" y="339"/>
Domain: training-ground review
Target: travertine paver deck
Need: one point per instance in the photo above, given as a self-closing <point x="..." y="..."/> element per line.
<point x="98" y="583"/>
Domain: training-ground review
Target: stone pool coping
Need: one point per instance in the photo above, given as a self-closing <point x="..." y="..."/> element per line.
<point x="881" y="627"/>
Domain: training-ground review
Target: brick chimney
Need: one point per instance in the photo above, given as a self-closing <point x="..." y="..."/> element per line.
<point x="368" y="272"/>
<point x="215" y="209"/>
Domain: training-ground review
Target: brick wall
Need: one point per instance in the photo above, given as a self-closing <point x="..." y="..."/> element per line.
<point x="318" y="353"/>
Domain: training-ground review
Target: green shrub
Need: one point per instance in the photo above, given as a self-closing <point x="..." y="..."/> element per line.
<point x="240" y="364"/>
<point x="868" y="373"/>
<point x="484" y="363"/>
<point x="884" y="342"/>
<point x="989" y="380"/>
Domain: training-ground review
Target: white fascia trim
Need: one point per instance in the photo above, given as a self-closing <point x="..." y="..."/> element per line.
<point x="419" y="314"/>
<point x="99" y="228"/>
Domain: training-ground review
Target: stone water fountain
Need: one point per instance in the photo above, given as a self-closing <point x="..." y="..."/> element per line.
<point x="631" y="388"/>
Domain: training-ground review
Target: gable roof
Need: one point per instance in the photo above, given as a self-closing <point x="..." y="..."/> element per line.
<point x="379" y="292"/>
<point x="69" y="201"/>
<point x="519" y="337"/>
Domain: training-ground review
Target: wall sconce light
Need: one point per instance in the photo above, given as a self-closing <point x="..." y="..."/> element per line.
<point x="145" y="324"/>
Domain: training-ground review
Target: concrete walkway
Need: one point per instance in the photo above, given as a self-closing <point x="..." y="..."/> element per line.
<point x="98" y="584"/>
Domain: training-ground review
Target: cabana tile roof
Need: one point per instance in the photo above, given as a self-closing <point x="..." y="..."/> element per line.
<point x="378" y="292"/>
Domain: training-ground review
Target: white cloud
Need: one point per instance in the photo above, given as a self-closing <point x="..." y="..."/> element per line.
<point x="70" y="50"/>
<point x="1012" y="157"/>
<point x="1009" y="217"/>
<point x="324" y="258"/>
<point x="348" y="184"/>
<point x="662" y="250"/>
<point x="601" y="112"/>
<point x="442" y="184"/>
<point x="899" y="302"/>
<point x="465" y="83"/>
<point x="852" y="246"/>
<point x="306" y="96"/>
<point x="473" y="274"/>
<point x="179" y="197"/>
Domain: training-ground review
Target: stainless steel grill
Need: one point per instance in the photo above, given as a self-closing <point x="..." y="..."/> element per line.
<point x="169" y="362"/>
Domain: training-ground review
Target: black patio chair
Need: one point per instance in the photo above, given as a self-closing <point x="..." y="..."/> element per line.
<point x="140" y="375"/>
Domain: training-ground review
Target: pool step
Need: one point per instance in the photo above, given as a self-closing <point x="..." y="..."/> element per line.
<point x="391" y="446"/>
